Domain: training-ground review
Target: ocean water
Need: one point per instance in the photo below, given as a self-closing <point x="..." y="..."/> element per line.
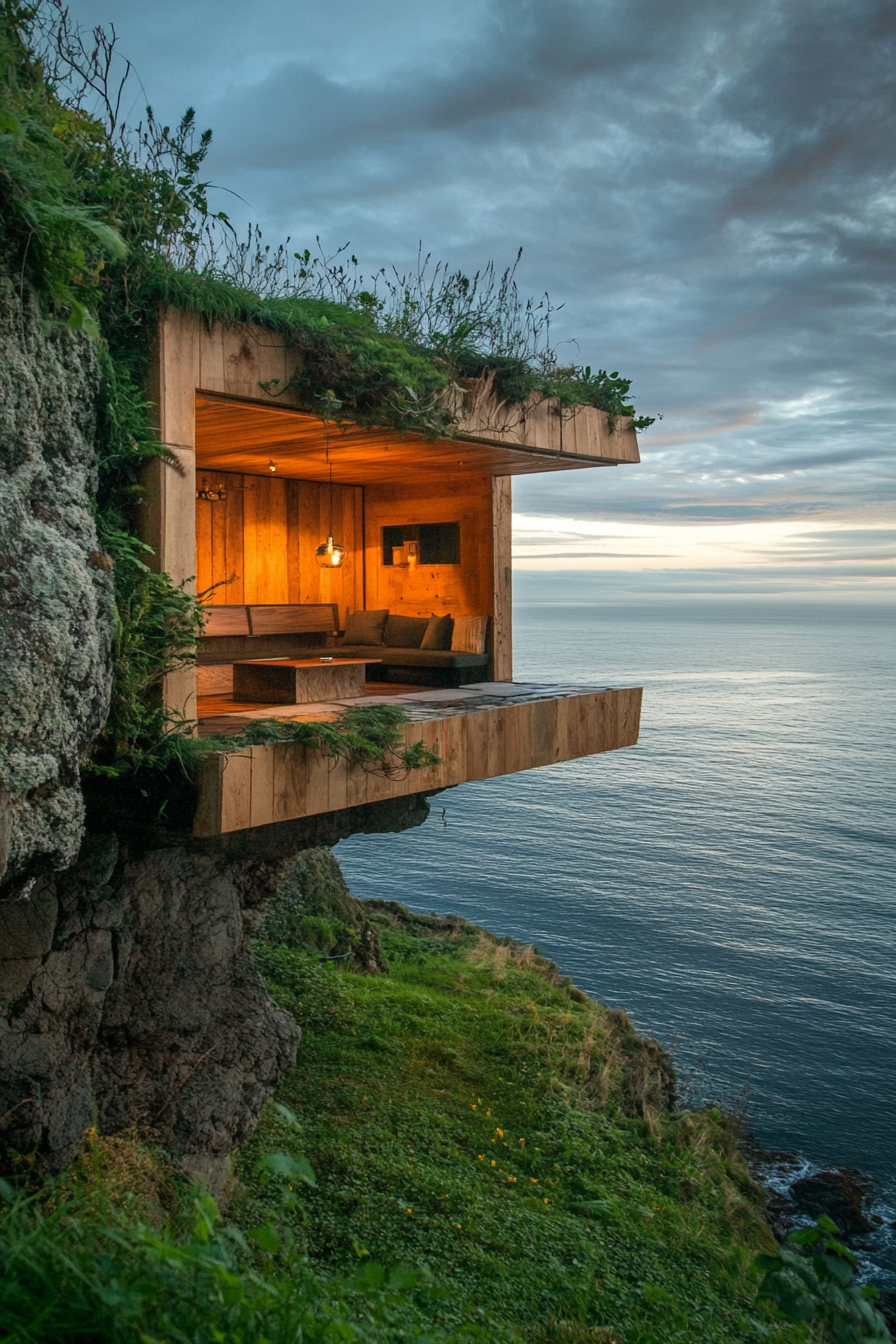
<point x="729" y="881"/>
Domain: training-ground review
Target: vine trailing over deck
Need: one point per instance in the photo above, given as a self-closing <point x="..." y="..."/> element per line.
<point x="105" y="223"/>
<point x="368" y="736"/>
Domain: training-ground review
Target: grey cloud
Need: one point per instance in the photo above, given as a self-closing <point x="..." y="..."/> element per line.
<point x="709" y="188"/>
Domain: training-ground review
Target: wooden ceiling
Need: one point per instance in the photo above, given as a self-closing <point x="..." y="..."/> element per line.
<point x="233" y="435"/>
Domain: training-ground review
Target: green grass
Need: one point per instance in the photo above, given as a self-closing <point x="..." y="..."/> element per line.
<point x="474" y="1114"/>
<point x="120" y="1251"/>
<point x="469" y="1149"/>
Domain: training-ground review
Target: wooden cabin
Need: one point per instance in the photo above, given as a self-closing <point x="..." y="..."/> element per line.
<point x="423" y="527"/>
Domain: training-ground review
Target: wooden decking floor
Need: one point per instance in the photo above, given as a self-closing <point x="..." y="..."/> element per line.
<point x="474" y="732"/>
<point x="221" y="714"/>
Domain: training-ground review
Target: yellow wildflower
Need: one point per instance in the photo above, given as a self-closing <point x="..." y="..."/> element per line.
<point x="534" y="1180"/>
<point x="499" y="1132"/>
<point x="494" y="1163"/>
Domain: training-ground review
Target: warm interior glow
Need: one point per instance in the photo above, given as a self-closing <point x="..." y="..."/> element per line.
<point x="330" y="554"/>
<point x="233" y="436"/>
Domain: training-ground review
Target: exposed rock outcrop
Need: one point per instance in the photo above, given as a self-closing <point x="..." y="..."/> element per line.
<point x="128" y="993"/>
<point x="838" y="1194"/>
<point x="56" y="603"/>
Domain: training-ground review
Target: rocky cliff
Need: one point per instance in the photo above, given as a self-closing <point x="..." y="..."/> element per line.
<point x="129" y="996"/>
<point x="128" y="993"/>
<point x="57" y="614"/>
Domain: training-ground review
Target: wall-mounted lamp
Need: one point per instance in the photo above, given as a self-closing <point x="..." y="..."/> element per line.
<point x="272" y="465"/>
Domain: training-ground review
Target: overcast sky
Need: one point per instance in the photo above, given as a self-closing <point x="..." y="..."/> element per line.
<point x="708" y="187"/>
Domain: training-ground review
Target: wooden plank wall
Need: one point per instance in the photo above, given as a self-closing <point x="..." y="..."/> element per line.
<point x="466" y="589"/>
<point x="262" y="785"/>
<point x="167" y="522"/>
<point x="265" y="532"/>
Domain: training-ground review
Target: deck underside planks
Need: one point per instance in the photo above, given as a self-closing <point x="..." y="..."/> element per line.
<point x="480" y="735"/>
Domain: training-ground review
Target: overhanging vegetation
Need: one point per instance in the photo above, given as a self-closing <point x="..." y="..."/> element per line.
<point x="105" y="223"/>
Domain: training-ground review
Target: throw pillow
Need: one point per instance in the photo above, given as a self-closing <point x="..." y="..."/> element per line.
<point x="365" y="627"/>
<point x="405" y="632"/>
<point x="438" y="633"/>
<point x="469" y="634"/>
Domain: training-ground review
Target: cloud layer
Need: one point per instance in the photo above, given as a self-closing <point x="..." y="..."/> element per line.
<point x="710" y="189"/>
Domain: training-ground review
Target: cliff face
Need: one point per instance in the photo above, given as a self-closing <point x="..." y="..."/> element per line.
<point x="56" y="600"/>
<point x="128" y="993"/>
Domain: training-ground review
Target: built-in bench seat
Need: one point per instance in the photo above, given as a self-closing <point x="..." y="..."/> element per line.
<point x="232" y="634"/>
<point x="309" y="630"/>
<point x="405" y="651"/>
<point x="253" y="622"/>
<point x="437" y="667"/>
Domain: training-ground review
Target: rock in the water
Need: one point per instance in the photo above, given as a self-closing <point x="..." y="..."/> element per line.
<point x="837" y="1194"/>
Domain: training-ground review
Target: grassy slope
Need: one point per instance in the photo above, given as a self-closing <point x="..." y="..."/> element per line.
<point x="474" y="1113"/>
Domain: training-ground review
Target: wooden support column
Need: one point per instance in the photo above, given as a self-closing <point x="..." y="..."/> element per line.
<point x="169" y="519"/>
<point x="502" y="624"/>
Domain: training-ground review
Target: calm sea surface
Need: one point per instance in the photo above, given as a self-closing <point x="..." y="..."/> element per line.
<point x="729" y="881"/>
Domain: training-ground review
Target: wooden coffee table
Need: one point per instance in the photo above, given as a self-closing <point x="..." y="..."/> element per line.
<point x="299" y="681"/>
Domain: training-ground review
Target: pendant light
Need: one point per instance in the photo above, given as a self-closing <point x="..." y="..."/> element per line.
<point x="329" y="554"/>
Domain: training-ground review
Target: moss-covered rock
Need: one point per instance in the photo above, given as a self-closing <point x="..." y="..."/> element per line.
<point x="57" y="616"/>
<point x="129" y="995"/>
<point x="314" y="911"/>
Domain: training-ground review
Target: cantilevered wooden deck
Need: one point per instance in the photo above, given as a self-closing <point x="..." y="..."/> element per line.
<point x="479" y="732"/>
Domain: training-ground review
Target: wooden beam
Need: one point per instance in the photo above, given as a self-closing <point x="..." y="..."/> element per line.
<point x="502" y="623"/>
<point x="169" y="519"/>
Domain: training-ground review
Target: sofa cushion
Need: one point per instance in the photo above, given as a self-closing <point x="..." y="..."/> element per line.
<point x="337" y="651"/>
<point x="469" y="634"/>
<point x="431" y="658"/>
<point x="401" y="657"/>
<point x="438" y="633"/>
<point x="365" y="627"/>
<point x="405" y="632"/>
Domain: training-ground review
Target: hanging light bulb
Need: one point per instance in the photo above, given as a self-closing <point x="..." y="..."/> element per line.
<point x="330" y="554"/>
